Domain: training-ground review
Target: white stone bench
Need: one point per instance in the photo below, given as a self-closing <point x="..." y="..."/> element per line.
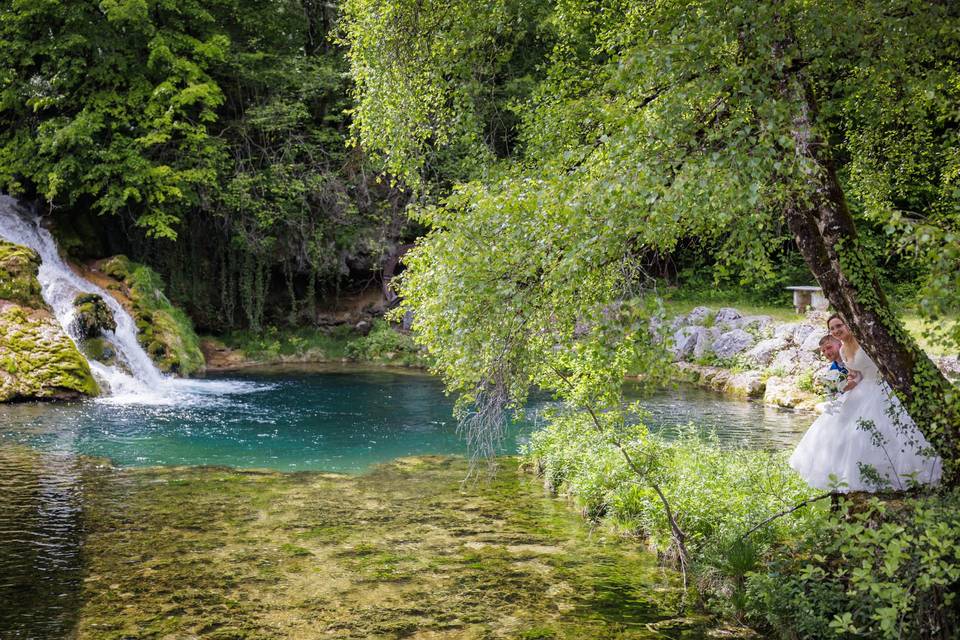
<point x="808" y="297"/>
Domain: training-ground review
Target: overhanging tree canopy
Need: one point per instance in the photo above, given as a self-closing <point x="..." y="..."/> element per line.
<point x="734" y="121"/>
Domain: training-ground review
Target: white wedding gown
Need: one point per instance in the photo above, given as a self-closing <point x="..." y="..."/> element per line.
<point x="837" y="444"/>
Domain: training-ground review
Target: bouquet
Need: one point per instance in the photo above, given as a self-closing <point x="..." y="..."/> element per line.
<point x="832" y="381"/>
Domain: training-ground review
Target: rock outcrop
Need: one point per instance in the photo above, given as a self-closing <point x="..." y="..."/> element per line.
<point x="749" y="356"/>
<point x="165" y="332"/>
<point x="38" y="361"/>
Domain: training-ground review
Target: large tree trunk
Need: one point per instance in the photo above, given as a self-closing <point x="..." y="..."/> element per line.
<point x="827" y="238"/>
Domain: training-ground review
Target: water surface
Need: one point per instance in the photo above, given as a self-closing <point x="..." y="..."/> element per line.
<point x="328" y="418"/>
<point x="110" y="525"/>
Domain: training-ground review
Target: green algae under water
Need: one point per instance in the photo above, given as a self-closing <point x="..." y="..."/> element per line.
<point x="99" y="540"/>
<point x="409" y="549"/>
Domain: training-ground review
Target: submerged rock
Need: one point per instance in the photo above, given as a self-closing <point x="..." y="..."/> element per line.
<point x="407" y="550"/>
<point x="38" y="361"/>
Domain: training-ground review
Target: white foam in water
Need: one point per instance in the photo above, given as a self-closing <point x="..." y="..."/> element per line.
<point x="144" y="384"/>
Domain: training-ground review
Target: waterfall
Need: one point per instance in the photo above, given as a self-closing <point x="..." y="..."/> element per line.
<point x="138" y="377"/>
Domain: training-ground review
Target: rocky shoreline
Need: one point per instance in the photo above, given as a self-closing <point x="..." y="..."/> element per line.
<point x="756" y="357"/>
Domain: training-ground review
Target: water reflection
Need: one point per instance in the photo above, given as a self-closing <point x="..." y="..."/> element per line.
<point x="41" y="530"/>
<point x="735" y="423"/>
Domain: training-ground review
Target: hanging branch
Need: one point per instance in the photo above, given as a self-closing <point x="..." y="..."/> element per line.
<point x="679" y="537"/>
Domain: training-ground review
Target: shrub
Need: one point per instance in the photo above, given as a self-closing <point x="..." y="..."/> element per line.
<point x="717" y="494"/>
<point x="872" y="570"/>
<point x="387" y="346"/>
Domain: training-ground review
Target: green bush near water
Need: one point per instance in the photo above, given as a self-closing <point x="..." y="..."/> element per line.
<point x="868" y="569"/>
<point x="876" y="569"/>
<point x="385" y="345"/>
<point x="274" y="343"/>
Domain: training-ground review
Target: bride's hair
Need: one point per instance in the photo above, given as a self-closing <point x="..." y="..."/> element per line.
<point x="838" y="317"/>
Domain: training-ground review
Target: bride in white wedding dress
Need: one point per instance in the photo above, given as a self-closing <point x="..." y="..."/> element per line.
<point x="865" y="439"/>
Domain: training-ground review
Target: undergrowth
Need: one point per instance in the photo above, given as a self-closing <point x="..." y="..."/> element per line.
<point x="865" y="567"/>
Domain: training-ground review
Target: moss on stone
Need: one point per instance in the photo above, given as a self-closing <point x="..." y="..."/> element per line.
<point x="38" y="360"/>
<point x="100" y="350"/>
<point x="408" y="550"/>
<point x="117" y="267"/>
<point x="18" y="275"/>
<point x="165" y="332"/>
<point x="93" y="316"/>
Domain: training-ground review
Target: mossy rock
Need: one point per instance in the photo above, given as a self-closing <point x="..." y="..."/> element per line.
<point x="18" y="275"/>
<point x="117" y="267"/>
<point x="99" y="349"/>
<point x="93" y="316"/>
<point x="38" y="360"/>
<point x="165" y="332"/>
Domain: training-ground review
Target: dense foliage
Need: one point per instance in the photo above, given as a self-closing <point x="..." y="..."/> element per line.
<point x="714" y="133"/>
<point x="217" y="123"/>
<point x="860" y="569"/>
<point x="654" y="124"/>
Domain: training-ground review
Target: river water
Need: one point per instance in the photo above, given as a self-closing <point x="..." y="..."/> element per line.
<point x="65" y="469"/>
<point x="332" y="418"/>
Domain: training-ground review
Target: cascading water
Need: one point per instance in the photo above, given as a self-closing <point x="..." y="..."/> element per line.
<point x="137" y="376"/>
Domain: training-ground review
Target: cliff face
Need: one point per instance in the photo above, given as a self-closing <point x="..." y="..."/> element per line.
<point x="38" y="361"/>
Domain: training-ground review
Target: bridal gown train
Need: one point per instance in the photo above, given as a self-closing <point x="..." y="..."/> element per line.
<point x="837" y="442"/>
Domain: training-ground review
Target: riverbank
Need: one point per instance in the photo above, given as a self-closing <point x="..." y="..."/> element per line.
<point x="407" y="550"/>
<point x="376" y="343"/>
<point x="768" y="357"/>
<point x="761" y="546"/>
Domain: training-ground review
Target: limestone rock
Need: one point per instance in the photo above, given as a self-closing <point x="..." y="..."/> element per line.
<point x="764" y="351"/>
<point x="686" y="341"/>
<point x="811" y="343"/>
<point x="699" y="315"/>
<point x="783" y="392"/>
<point x="731" y="343"/>
<point x="748" y="384"/>
<point x="703" y="344"/>
<point x="786" y="361"/>
<point x="786" y="331"/>
<point x="755" y="323"/>
<point x="727" y="314"/>
<point x="37" y="359"/>
<point x="803" y="332"/>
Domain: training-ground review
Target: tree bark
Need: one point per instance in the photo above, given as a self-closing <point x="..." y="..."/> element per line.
<point x="826" y="235"/>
